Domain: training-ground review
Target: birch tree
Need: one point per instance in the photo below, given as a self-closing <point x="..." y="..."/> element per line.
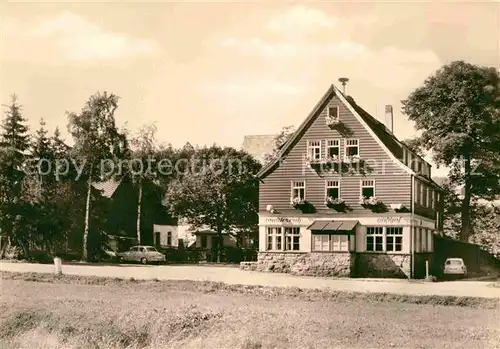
<point x="98" y="145"/>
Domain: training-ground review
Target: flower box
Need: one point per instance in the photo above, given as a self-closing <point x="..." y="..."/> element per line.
<point x="332" y="120"/>
<point x="351" y="158"/>
<point x="297" y="202"/>
<point x="372" y="201"/>
<point x="335" y="203"/>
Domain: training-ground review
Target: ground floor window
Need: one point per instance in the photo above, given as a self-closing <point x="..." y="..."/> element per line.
<point x="333" y="243"/>
<point x="292" y="238"/>
<point x="394" y="239"/>
<point x="375" y="239"/>
<point x="283" y="239"/>
<point x="384" y="239"/>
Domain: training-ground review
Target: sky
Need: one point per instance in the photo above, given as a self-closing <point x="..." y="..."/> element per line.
<point x="213" y="72"/>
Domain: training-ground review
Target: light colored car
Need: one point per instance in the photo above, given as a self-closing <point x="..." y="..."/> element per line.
<point x="455" y="267"/>
<point x="142" y="254"/>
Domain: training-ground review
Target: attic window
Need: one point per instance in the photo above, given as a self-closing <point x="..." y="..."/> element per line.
<point x="332" y="117"/>
<point x="333" y="112"/>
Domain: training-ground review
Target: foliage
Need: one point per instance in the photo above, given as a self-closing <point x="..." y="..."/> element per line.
<point x="487" y="228"/>
<point x="280" y="140"/>
<point x="458" y="113"/>
<point x="220" y="192"/>
<point x="14" y="209"/>
<point x="98" y="145"/>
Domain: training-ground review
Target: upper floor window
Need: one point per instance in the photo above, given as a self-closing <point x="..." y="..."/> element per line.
<point x="351" y="147"/>
<point x="333" y="148"/>
<point x="367" y="188"/>
<point x="299" y="190"/>
<point x="333" y="189"/>
<point x="417" y="192"/>
<point x="314" y="150"/>
<point x="424" y="195"/>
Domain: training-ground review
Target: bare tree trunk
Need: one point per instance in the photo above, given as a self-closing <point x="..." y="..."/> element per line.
<point x="87" y="216"/>
<point x="139" y="204"/>
<point x="466" y="212"/>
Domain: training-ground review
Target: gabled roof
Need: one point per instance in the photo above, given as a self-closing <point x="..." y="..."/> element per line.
<point x="108" y="188"/>
<point x="388" y="142"/>
<point x="258" y="145"/>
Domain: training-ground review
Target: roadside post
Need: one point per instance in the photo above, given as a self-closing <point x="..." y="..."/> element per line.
<point x="426" y="269"/>
<point x="57" y="266"/>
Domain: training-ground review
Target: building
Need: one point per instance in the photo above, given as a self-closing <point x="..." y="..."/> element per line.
<point x="347" y="198"/>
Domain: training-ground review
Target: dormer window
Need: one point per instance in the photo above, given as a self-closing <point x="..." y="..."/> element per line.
<point x="332" y="116"/>
<point x="314" y="150"/>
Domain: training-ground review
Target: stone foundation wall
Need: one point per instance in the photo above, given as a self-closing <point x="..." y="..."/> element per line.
<point x="312" y="264"/>
<point x="383" y="265"/>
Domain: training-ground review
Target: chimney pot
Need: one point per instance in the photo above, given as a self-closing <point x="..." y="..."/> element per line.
<point x="389" y="118"/>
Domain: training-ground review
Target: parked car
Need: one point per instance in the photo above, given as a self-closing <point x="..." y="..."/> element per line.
<point x="455" y="267"/>
<point x="142" y="254"/>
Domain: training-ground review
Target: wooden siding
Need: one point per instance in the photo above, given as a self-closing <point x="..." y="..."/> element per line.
<point x="392" y="184"/>
<point x="422" y="208"/>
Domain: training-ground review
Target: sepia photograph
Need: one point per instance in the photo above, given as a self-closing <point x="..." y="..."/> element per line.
<point x="249" y="174"/>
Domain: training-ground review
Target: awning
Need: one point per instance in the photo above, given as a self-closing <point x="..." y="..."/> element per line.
<point x="333" y="226"/>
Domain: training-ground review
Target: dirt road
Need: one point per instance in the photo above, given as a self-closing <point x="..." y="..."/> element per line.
<point x="231" y="275"/>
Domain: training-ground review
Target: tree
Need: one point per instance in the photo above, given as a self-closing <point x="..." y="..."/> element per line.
<point x="280" y="139"/>
<point x="144" y="149"/>
<point x="458" y="112"/>
<point x="14" y="142"/>
<point x="487" y="228"/>
<point x="98" y="145"/>
<point x="220" y="192"/>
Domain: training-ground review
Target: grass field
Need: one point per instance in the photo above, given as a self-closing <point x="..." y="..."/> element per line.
<point x="41" y="311"/>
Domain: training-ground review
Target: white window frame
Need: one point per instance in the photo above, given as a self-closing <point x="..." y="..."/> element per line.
<point x="384" y="232"/>
<point x="417" y="192"/>
<point x="362" y="184"/>
<point x="338" y="241"/>
<point x="332" y="242"/>
<point x="346" y="145"/>
<point x="290" y="233"/>
<point x="329" y="114"/>
<point x="332" y="184"/>
<point x="374" y="232"/>
<point x="312" y="146"/>
<point x="274" y="233"/>
<point x="424" y="195"/>
<point x="294" y="186"/>
<point x="332" y="143"/>
<point x="394" y="232"/>
<point x="323" y="239"/>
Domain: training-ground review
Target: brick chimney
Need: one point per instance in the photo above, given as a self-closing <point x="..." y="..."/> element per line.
<point x="389" y="118"/>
